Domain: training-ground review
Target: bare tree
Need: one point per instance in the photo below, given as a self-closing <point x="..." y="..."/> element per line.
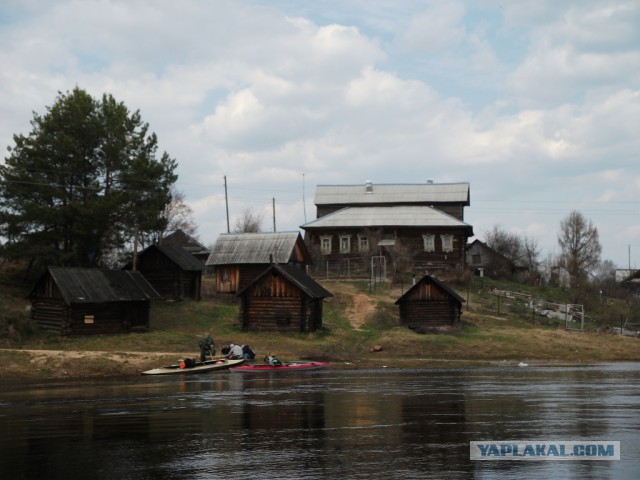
<point x="179" y="215"/>
<point x="506" y="244"/>
<point x="249" y="222"/>
<point x="531" y="258"/>
<point x="580" y="247"/>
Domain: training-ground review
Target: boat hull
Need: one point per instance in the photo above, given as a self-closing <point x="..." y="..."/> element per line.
<point x="201" y="367"/>
<point x="287" y="367"/>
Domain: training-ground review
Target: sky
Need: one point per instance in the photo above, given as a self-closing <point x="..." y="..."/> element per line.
<point x="535" y="104"/>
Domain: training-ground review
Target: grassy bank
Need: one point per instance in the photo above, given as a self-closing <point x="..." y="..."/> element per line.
<point x="355" y="319"/>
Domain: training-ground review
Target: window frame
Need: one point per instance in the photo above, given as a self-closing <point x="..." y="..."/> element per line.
<point x="363" y="243"/>
<point x="429" y="242"/>
<point x="325" y="240"/>
<point x="348" y="244"/>
<point x="447" y="242"/>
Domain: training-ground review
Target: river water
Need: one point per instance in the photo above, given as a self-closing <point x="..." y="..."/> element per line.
<point x="386" y="423"/>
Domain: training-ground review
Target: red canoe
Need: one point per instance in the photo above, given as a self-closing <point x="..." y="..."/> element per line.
<point x="287" y="367"/>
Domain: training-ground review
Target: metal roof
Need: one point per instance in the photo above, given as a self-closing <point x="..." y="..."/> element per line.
<point x="254" y="248"/>
<point x="393" y="216"/>
<point x="92" y="285"/>
<point x="298" y="277"/>
<point x="371" y="193"/>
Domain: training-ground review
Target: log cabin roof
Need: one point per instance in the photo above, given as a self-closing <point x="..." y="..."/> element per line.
<point x="256" y="248"/>
<point x="93" y="285"/>
<point x="369" y="193"/>
<point x="180" y="238"/>
<point x="429" y="279"/>
<point x="392" y="216"/>
<point x="178" y="255"/>
<point x="296" y="276"/>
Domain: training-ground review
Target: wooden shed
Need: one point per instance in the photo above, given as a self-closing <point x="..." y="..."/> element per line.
<point x="238" y="258"/>
<point x="430" y="303"/>
<point x="87" y="301"/>
<point x="283" y="298"/>
<point x="173" y="271"/>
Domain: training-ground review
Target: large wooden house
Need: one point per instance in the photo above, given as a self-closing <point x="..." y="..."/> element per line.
<point x="430" y="303"/>
<point x="420" y="226"/>
<point x="174" y="272"/>
<point x="238" y="258"/>
<point x="86" y="301"/>
<point x="282" y="298"/>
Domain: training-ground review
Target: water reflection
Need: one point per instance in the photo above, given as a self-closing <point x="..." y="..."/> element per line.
<point x="324" y="424"/>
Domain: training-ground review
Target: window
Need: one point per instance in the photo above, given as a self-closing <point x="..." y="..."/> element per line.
<point x="363" y="243"/>
<point x="325" y="244"/>
<point x="345" y="243"/>
<point x="476" y="259"/>
<point x="447" y="243"/>
<point x="429" y="242"/>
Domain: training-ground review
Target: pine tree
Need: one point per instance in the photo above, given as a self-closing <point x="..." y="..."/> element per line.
<point x="82" y="183"/>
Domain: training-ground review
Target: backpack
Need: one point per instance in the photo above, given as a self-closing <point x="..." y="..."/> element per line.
<point x="249" y="354"/>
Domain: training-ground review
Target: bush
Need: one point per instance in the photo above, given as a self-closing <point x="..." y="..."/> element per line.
<point x="15" y="328"/>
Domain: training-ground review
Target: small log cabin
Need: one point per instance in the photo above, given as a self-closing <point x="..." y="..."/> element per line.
<point x="88" y="301"/>
<point x="238" y="258"/>
<point x="430" y="303"/>
<point x="283" y="298"/>
<point x="173" y="271"/>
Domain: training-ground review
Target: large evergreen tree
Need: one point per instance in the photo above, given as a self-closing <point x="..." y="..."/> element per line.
<point x="84" y="182"/>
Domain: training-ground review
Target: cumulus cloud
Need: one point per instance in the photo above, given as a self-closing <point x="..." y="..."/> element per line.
<point x="526" y="100"/>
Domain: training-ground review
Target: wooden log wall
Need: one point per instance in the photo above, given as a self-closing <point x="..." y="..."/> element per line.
<point x="429" y="313"/>
<point x="274" y="304"/>
<point x="90" y="319"/>
<point x="50" y="314"/>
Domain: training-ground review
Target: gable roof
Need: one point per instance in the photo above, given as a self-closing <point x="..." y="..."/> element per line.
<point x="401" y="216"/>
<point x="93" y="285"/>
<point x="370" y="193"/>
<point x="483" y="246"/>
<point x="182" y="239"/>
<point x="178" y="255"/>
<point x="431" y="280"/>
<point x="295" y="275"/>
<point x="256" y="248"/>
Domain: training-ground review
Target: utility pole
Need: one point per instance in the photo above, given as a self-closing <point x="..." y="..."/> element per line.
<point x="304" y="204"/>
<point x="274" y="213"/>
<point x="226" y="201"/>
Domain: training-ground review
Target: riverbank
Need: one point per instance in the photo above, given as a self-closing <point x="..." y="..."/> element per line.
<point x="41" y="366"/>
<point x="354" y="321"/>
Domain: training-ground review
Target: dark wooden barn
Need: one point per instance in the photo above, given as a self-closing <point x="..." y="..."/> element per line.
<point x="186" y="241"/>
<point x="430" y="303"/>
<point x="173" y="271"/>
<point x="283" y="298"/>
<point x="87" y="301"/>
<point x="494" y="264"/>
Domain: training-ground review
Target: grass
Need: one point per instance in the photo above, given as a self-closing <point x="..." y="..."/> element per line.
<point x="485" y="335"/>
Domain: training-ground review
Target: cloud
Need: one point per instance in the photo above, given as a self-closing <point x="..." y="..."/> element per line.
<point x="535" y="103"/>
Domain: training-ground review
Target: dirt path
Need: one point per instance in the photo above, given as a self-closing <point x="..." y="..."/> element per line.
<point x="361" y="308"/>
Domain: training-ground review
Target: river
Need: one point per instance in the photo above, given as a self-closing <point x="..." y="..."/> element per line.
<point x="348" y="424"/>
